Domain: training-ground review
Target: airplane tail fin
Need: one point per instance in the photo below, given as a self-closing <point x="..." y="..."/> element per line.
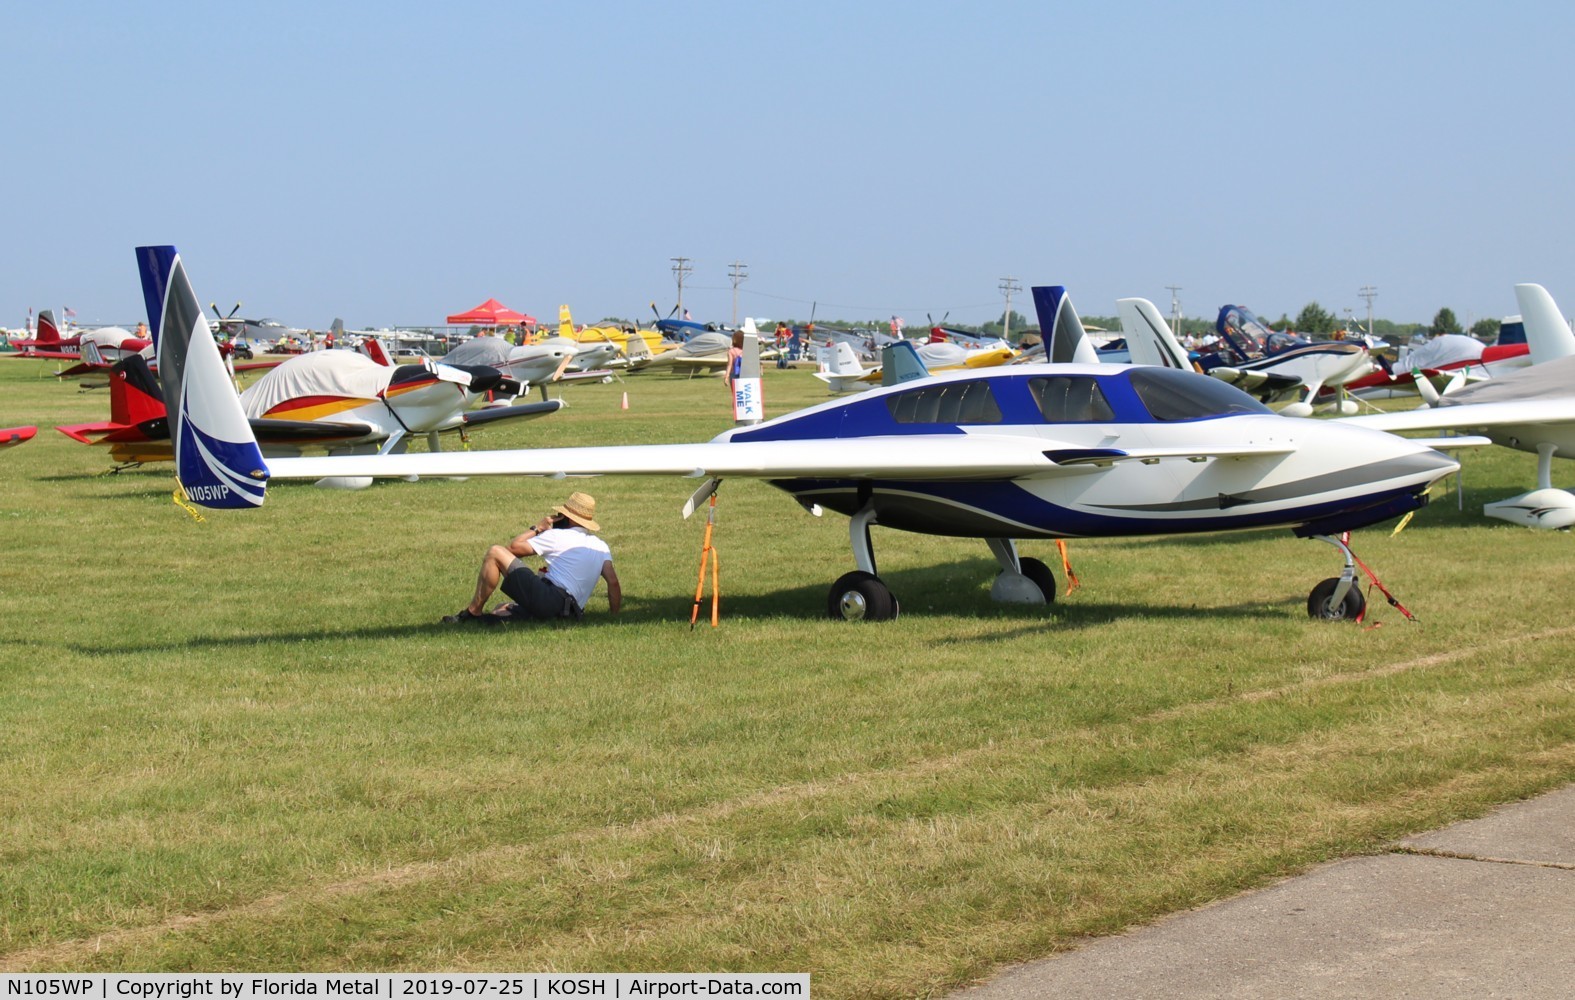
<point x="636" y="348"/>
<point x="373" y="348"/>
<point x="48" y="332"/>
<point x="900" y="362"/>
<point x="1064" y="337"/>
<point x="134" y="395"/>
<point x="337" y="328"/>
<point x="1148" y="336"/>
<point x="840" y="359"/>
<point x="217" y="461"/>
<point x="1547" y="334"/>
<point x="565" y="322"/>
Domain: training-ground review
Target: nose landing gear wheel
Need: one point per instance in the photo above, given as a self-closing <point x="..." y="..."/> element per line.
<point x="1349" y="609"/>
<point x="860" y="596"/>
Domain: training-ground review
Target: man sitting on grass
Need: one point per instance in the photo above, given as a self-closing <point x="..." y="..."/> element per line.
<point x="576" y="559"/>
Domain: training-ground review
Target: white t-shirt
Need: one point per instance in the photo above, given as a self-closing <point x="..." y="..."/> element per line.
<point x="574" y="559"/>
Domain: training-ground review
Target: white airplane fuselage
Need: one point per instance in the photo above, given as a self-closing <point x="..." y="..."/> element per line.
<point x="1307" y="474"/>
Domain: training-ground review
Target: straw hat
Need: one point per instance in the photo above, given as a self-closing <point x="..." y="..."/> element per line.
<point x="581" y="509"/>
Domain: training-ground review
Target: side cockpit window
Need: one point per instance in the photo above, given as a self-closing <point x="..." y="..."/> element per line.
<point x="952" y="403"/>
<point x="1070" y="399"/>
<point x="1169" y="394"/>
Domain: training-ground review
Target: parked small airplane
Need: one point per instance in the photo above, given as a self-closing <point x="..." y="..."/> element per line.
<point x="680" y="329"/>
<point x="262" y="334"/>
<point x="109" y="343"/>
<point x="1273" y="365"/>
<point x="138" y="429"/>
<point x="1528" y="409"/>
<point x="840" y="368"/>
<point x="702" y="354"/>
<point x="589" y="355"/>
<point x="1542" y="336"/>
<point x="999" y="454"/>
<point x="550" y="360"/>
<point x="844" y="373"/>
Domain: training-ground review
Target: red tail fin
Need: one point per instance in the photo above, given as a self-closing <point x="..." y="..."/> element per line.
<point x="48" y="332"/>
<point x="373" y="348"/>
<point x="134" y="395"/>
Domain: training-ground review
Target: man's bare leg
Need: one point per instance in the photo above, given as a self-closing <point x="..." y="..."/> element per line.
<point x="493" y="565"/>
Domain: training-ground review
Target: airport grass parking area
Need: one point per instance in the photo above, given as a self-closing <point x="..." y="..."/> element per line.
<point x="248" y="744"/>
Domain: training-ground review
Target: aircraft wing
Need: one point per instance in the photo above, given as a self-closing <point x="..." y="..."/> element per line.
<point x="47" y="355"/>
<point x="593" y="373"/>
<point x="1472" y="416"/>
<point x="1256" y="382"/>
<point x="517" y="411"/>
<point x="16" y="435"/>
<point x="919" y="457"/>
<point x="309" y="431"/>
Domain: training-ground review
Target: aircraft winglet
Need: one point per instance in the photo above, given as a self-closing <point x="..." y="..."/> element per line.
<point x="217" y="460"/>
<point x="1548" y="337"/>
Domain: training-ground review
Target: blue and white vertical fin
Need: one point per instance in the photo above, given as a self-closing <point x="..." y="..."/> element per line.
<point x="1064" y="337"/>
<point x="217" y="461"/>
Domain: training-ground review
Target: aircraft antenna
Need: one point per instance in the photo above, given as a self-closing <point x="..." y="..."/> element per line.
<point x="1175" y="310"/>
<point x="737" y="272"/>
<point x="1369" y="292"/>
<point x="1007" y="286"/>
<point x="681" y="269"/>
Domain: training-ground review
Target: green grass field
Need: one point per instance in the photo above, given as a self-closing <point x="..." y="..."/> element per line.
<point x="246" y="744"/>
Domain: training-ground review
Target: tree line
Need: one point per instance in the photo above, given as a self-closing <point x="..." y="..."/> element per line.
<point x="1313" y="321"/>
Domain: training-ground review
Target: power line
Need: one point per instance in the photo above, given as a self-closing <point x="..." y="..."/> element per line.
<point x="847" y="305"/>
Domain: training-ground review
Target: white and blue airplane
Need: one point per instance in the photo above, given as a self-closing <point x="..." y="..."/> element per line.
<point x="1003" y="454"/>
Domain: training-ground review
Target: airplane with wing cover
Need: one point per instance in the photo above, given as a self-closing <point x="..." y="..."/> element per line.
<point x="1002" y="454"/>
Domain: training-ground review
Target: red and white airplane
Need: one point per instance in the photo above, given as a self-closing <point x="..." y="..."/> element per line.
<point x="110" y="343"/>
<point x="333" y="400"/>
<point x="1455" y="359"/>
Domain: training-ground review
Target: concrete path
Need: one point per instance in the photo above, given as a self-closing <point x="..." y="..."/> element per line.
<point x="1484" y="908"/>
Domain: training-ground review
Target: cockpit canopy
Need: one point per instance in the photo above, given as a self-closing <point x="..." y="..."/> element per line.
<point x="1250" y="337"/>
<point x="1164" y="394"/>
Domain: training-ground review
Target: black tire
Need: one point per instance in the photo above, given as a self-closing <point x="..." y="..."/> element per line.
<point x="1040" y="574"/>
<point x="1349" y="610"/>
<point x="860" y="596"/>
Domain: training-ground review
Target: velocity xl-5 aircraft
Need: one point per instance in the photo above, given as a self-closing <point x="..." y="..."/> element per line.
<point x="1028" y="452"/>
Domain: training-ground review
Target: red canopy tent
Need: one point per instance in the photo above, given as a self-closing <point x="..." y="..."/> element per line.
<point x="492" y="313"/>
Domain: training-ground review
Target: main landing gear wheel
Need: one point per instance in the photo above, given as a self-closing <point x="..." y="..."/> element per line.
<point x="1040" y="574"/>
<point x="860" y="596"/>
<point x="1349" y="609"/>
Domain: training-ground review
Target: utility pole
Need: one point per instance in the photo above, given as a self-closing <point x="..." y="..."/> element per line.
<point x="1009" y="285"/>
<point x="1175" y="310"/>
<point x="681" y="268"/>
<point x="1369" y="292"/>
<point x="736" y="273"/>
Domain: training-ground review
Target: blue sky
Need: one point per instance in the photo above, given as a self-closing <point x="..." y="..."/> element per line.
<point x="390" y="163"/>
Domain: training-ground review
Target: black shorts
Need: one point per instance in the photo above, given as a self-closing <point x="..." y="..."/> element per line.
<point x="535" y="596"/>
